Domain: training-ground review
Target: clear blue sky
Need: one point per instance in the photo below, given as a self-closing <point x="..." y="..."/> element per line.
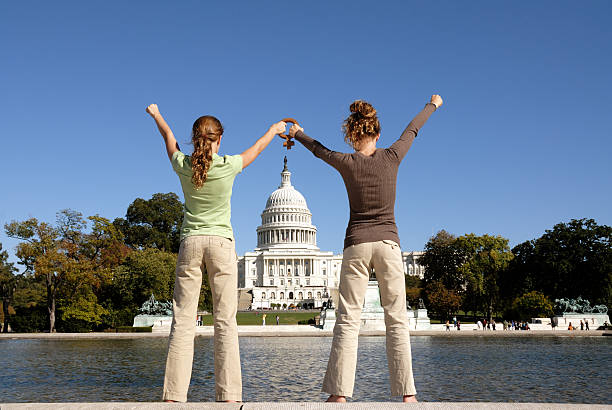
<point x="522" y="142"/>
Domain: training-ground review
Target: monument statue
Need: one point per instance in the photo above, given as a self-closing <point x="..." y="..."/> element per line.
<point x="578" y="305"/>
<point x="154" y="307"/>
<point x="421" y="304"/>
<point x="603" y="309"/>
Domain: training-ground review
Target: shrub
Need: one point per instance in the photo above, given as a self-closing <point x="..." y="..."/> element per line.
<point x="30" y="319"/>
<point x="533" y="304"/>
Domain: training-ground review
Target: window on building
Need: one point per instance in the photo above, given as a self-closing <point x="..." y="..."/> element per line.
<point x="300" y="296"/>
<point x="297" y="281"/>
<point x="324" y="272"/>
<point x="307" y="282"/>
<point x="263" y="295"/>
<point x="318" y="295"/>
<point x="309" y="295"/>
<point x="272" y="295"/>
<point x="271" y="282"/>
<point x="282" y="281"/>
<point x="254" y="283"/>
<point x="282" y="295"/>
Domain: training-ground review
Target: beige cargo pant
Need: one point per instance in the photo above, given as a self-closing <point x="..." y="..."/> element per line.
<point x="358" y="260"/>
<point x="218" y="256"/>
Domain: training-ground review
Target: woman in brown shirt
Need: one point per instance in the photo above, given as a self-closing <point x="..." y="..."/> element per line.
<point x="371" y="243"/>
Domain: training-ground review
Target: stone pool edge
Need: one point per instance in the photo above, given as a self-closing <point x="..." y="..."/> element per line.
<point x="302" y="405"/>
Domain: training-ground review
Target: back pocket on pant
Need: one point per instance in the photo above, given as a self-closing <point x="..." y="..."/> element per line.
<point x="221" y="250"/>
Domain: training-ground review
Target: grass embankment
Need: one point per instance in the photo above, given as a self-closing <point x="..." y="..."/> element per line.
<point x="254" y="318"/>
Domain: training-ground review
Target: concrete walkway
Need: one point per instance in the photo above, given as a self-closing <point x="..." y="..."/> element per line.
<point x="301" y="406"/>
<point x="309" y="331"/>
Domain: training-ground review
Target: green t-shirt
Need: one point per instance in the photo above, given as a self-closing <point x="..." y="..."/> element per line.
<point x="208" y="209"/>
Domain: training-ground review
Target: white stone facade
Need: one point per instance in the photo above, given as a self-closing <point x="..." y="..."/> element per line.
<point x="287" y="268"/>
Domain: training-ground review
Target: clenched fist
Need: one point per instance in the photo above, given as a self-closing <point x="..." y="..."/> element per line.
<point x="436" y="100"/>
<point x="294" y="129"/>
<point x="153" y="110"/>
<point x="278" y="128"/>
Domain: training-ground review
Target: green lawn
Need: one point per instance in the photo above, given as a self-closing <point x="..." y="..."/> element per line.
<point x="252" y="318"/>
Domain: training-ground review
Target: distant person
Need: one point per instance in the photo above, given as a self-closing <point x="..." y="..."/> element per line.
<point x="586" y="324"/>
<point x="263" y="319"/>
<point x="478" y="324"/>
<point x="277" y="320"/>
<point x="447" y="326"/>
<point x="493" y="323"/>
<point x="581" y="325"/>
<point x="570" y="327"/>
<point x="207" y="243"/>
<point x="458" y="325"/>
<point x="505" y="324"/>
<point x="454" y="321"/>
<point x="371" y="241"/>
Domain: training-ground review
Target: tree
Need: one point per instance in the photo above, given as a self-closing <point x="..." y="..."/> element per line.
<point x="153" y="223"/>
<point x="42" y="254"/>
<point x="442" y="301"/>
<point x="74" y="264"/>
<point x="413" y="289"/>
<point x="29" y="303"/>
<point x="8" y="285"/>
<point x="442" y="259"/>
<point x="572" y="259"/>
<point x="141" y="274"/>
<point x="487" y="258"/>
<point x="533" y="304"/>
<point x="96" y="255"/>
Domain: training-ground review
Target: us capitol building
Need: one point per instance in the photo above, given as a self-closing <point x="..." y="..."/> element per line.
<point x="287" y="268"/>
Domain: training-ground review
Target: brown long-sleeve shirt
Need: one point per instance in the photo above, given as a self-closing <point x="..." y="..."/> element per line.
<point x="370" y="182"/>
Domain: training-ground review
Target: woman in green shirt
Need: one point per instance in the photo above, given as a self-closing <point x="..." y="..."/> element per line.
<point x="207" y="243"/>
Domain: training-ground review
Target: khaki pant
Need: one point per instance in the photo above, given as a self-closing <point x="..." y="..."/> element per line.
<point x="358" y="260"/>
<point x="218" y="256"/>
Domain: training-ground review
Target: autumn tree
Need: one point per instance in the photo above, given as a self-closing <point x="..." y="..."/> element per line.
<point x="442" y="301"/>
<point x="72" y="263"/>
<point x="414" y="289"/>
<point x="97" y="254"/>
<point x="41" y="253"/>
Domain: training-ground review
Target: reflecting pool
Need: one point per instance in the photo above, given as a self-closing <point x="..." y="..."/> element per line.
<point x="525" y="369"/>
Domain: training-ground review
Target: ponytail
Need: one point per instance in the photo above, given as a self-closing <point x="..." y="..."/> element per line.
<point x="206" y="130"/>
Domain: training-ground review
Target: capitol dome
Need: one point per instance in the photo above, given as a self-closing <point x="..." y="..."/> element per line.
<point x="286" y="196"/>
<point x="286" y="220"/>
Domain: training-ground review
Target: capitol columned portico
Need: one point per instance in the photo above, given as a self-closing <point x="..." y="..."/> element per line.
<point x="287" y="269"/>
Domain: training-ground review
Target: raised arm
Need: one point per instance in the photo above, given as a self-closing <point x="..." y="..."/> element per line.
<point x="250" y="154"/>
<point x="319" y="150"/>
<point x="403" y="144"/>
<point x="165" y="131"/>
